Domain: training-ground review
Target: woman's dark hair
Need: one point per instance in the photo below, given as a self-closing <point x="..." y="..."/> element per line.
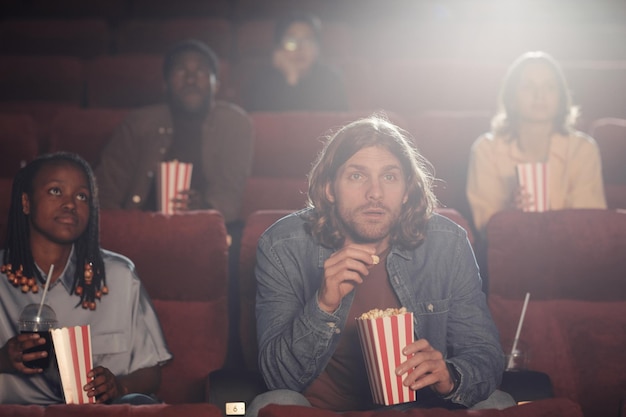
<point x="506" y="121"/>
<point x="409" y="231"/>
<point x="283" y="24"/>
<point x="191" y="45"/>
<point x="87" y="247"/>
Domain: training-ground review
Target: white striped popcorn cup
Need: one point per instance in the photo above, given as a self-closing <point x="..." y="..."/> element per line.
<point x="382" y="340"/>
<point x="533" y="177"/>
<point x="174" y="177"/>
<point x="72" y="347"/>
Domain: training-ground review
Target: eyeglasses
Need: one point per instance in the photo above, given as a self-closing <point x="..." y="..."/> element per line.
<point x="292" y="44"/>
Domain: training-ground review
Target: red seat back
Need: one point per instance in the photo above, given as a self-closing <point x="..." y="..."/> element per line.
<point x="168" y="8"/>
<point x="413" y="86"/>
<point x="445" y="139"/>
<point x="256" y="224"/>
<point x="110" y="9"/>
<point x="18" y="142"/>
<point x="5" y="204"/>
<point x="84" y="131"/>
<point x="562" y="254"/>
<point x="52" y="78"/>
<point x="182" y="261"/>
<point x="157" y="36"/>
<point x="598" y="87"/>
<point x="43" y="112"/>
<point x="130" y="80"/>
<point x="83" y="38"/>
<point x="124" y="81"/>
<point x="610" y="134"/>
<point x="286" y="146"/>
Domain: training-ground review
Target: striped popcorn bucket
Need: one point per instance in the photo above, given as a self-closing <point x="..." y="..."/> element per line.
<point x="382" y="340"/>
<point x="533" y="177"/>
<point x="72" y="346"/>
<point x="173" y="178"/>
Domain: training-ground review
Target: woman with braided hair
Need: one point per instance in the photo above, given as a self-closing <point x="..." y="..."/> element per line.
<point x="54" y="220"/>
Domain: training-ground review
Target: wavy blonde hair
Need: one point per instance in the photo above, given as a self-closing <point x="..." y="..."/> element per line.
<point x="376" y="130"/>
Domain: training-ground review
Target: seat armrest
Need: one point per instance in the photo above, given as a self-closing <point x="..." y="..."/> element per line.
<point x="527" y="385"/>
<point x="234" y="386"/>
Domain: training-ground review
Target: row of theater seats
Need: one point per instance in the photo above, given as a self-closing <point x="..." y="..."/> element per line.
<point x="90" y="37"/>
<point x="286" y="145"/>
<point x="485" y="10"/>
<point x="115" y="9"/>
<point x="570" y="261"/>
<point x="119" y="9"/>
<point x="236" y="39"/>
<point x="399" y="85"/>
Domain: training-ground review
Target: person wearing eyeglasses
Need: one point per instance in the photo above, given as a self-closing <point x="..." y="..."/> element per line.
<point x="297" y="78"/>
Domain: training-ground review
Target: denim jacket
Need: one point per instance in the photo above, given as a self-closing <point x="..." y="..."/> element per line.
<point x="439" y="282"/>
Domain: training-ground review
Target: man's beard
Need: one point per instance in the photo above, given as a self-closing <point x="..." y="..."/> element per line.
<point x="362" y="231"/>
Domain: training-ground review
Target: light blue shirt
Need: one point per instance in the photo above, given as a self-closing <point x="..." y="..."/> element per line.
<point x="125" y="332"/>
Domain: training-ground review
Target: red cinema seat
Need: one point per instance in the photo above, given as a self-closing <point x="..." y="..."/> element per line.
<point x="83" y="38"/>
<point x="182" y="260"/>
<point x="124" y="81"/>
<point x="610" y="134"/>
<point x="157" y="36"/>
<point x="286" y="145"/>
<point x="51" y="78"/>
<point x="5" y="204"/>
<point x="445" y="139"/>
<point x="573" y="265"/>
<point x="598" y="87"/>
<point x="19" y="142"/>
<point x="358" y="79"/>
<point x="256" y="223"/>
<point x="84" y="131"/>
<point x="180" y="8"/>
<point x="552" y="407"/>
<point x="43" y="112"/>
<point x="109" y="9"/>
<point x="254" y="39"/>
<point x="558" y="254"/>
<point x="132" y="80"/>
<point x="413" y="86"/>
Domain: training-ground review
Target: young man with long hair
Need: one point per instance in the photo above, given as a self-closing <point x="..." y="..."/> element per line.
<point x="370" y="199"/>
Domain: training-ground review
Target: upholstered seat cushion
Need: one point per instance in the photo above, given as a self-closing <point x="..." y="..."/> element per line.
<point x="554" y="407"/>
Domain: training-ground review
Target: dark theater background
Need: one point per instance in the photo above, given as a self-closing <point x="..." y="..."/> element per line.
<point x="70" y="71"/>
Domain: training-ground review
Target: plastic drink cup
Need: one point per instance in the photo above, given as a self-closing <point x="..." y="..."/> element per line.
<point x="42" y="323"/>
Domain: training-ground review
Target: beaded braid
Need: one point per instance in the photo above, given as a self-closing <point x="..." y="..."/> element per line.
<point x="18" y="263"/>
